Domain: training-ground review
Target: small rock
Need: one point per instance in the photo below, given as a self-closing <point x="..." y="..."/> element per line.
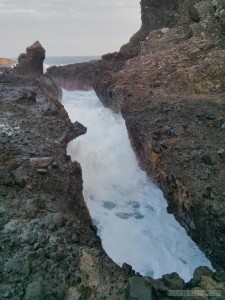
<point x="47" y="222"/>
<point x="5" y="177"/>
<point x="221" y="154"/>
<point x="198" y="273"/>
<point x="220" y="276"/>
<point x="173" y="281"/>
<point x="59" y="255"/>
<point x="204" y="176"/>
<point x="59" y="220"/>
<point x="195" y="153"/>
<point x="156" y="148"/>
<point x="109" y="205"/>
<point x="32" y="238"/>
<point x="74" y="238"/>
<point x="42" y="171"/>
<point x="55" y="165"/>
<point x="26" y="268"/>
<point x="223" y="126"/>
<point x="178" y="129"/>
<point x="207" y="160"/>
<point x="41" y="162"/>
<point x="210" y="116"/>
<point x="34" y="291"/>
<point x="124" y="216"/>
<point x="164" y="30"/>
<point x="138" y="288"/>
<point x="128" y="269"/>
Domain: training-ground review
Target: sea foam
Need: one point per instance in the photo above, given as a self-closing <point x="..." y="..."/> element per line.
<point x="127" y="208"/>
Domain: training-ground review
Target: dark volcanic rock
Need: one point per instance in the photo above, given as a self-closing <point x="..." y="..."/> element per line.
<point x="31" y="62"/>
<point x="171" y="95"/>
<point x="74" y="77"/>
<point x="168" y="82"/>
<point x="47" y="247"/>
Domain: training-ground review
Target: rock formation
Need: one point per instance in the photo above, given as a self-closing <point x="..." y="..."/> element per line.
<point x="168" y="82"/>
<point x="31" y="62"/>
<point x="74" y="78"/>
<point x="48" y="246"/>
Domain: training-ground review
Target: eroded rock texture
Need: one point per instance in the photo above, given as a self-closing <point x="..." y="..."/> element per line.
<point x="31" y="62"/>
<point x="168" y="82"/>
<point x="48" y="244"/>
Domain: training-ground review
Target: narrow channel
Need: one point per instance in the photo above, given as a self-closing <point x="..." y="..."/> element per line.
<point x="127" y="208"/>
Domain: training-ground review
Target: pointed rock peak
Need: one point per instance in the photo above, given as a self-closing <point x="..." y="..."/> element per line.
<point x="31" y="62"/>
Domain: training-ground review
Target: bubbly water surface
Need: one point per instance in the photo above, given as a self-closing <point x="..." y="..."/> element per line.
<point x="128" y="210"/>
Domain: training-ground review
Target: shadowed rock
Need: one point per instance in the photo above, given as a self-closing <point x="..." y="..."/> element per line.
<point x="31" y="62"/>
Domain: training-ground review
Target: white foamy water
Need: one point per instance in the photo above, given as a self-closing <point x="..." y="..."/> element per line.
<point x="129" y="210"/>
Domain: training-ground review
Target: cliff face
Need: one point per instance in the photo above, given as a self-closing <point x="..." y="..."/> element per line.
<point x="48" y="246"/>
<point x="168" y="82"/>
<point x="171" y="95"/>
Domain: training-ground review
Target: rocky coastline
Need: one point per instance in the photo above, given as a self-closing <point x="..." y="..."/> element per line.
<point x="168" y="83"/>
<point x="48" y="245"/>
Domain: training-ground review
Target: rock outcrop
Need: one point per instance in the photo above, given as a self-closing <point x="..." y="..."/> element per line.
<point x="48" y="245"/>
<point x="80" y="77"/>
<point x="172" y="98"/>
<point x="31" y="62"/>
<point x="168" y="82"/>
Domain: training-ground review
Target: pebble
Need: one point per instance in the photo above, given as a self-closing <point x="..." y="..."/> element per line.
<point x="53" y="220"/>
<point x="34" y="291"/>
<point x="221" y="154"/>
<point x="164" y="30"/>
<point x="41" y="162"/>
<point x="177" y="130"/>
<point x="32" y="238"/>
<point x="42" y="171"/>
<point x="207" y="159"/>
<point x="138" y="288"/>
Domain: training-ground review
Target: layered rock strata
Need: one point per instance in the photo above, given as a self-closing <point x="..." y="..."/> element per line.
<point x="168" y="82"/>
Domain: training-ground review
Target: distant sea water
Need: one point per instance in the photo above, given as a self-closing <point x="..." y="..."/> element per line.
<point x="67" y="60"/>
<point x="64" y="60"/>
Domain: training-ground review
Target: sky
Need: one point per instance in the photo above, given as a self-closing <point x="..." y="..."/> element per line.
<point x="67" y="27"/>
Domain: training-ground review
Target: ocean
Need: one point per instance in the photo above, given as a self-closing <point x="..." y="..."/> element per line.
<point x="127" y="208"/>
<point x="67" y="60"/>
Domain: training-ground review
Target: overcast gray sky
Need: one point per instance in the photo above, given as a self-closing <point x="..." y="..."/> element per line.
<point x="67" y="27"/>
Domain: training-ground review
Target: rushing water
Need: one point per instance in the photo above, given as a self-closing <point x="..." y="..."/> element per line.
<point x="129" y="211"/>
